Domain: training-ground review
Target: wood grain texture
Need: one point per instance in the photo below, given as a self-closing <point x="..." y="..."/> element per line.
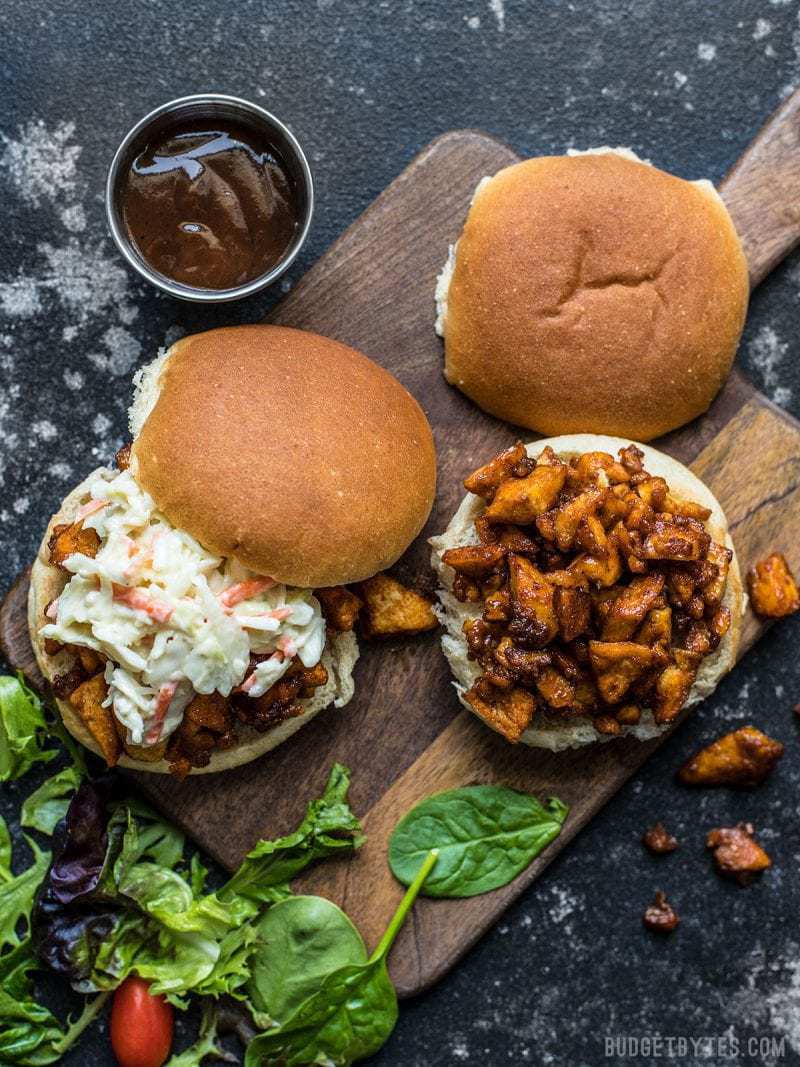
<point x="404" y="734"/>
<point x="762" y="192"/>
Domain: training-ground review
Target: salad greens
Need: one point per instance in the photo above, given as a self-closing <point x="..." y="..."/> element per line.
<point x="23" y="729"/>
<point x="351" y="1013"/>
<point x="119" y="898"/>
<point x="205" y="1046"/>
<point x="47" y="805"/>
<point x="30" y="1034"/>
<point x="328" y="827"/>
<point x="303" y="939"/>
<point x="486" y="835"/>
<point x="18" y="891"/>
<point x="117" y="901"/>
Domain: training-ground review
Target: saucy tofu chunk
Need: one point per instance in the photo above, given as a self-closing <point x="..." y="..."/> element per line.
<point x="71" y="538"/>
<point x="392" y="609"/>
<point x="737" y="854"/>
<point x="742" y="758"/>
<point x="660" y="916"/>
<point x="773" y="590"/>
<point x="87" y="700"/>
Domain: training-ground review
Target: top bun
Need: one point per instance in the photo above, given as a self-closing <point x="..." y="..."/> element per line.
<point x="286" y="450"/>
<point x="593" y="293"/>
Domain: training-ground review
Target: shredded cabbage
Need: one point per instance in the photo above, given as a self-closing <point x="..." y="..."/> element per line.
<point x="151" y="602"/>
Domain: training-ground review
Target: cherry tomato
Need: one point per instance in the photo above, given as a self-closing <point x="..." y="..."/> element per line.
<point x="141" y="1025"/>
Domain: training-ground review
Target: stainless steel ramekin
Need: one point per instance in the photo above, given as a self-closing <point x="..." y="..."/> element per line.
<point x="209" y="106"/>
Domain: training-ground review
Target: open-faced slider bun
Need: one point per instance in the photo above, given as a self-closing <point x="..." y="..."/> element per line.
<point x="548" y="728"/>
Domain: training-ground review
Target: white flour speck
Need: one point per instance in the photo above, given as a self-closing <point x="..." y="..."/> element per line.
<point x="61" y="470"/>
<point x="767" y="351"/>
<point x="680" y="79"/>
<point x="763" y="29"/>
<point x="74" y="218"/>
<point x="21" y="505"/>
<point x="40" y="162"/>
<point x="564" y="904"/>
<point x="123" y="350"/>
<point x="45" y="429"/>
<point x="101" y="424"/>
<point x="706" y="52"/>
<point x="69" y="333"/>
<point x="498" y="9"/>
<point x="783" y="1005"/>
<point x="73" y="379"/>
<point x="19" y="298"/>
<point x="473" y="21"/>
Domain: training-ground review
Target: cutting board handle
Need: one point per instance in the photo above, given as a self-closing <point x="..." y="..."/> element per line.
<point x="762" y="191"/>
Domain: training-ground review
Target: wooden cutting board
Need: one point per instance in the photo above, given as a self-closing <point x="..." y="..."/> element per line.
<point x="404" y="734"/>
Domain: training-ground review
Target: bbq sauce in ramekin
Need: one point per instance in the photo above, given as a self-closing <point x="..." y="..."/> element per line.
<point x="210" y="204"/>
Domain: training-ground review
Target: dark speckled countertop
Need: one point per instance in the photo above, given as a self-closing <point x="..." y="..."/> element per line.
<point x="364" y="85"/>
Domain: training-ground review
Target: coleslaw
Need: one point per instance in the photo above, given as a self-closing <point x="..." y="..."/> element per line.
<point x="171" y="618"/>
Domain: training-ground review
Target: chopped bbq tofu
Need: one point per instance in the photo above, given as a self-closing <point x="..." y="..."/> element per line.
<point x="123" y="457"/>
<point x="660" y="917"/>
<point x="339" y="606"/>
<point x="485" y="480"/>
<point x="737" y="854"/>
<point x="658" y="840"/>
<point x="742" y="758"/>
<point x="592" y="588"/>
<point x="87" y="700"/>
<point x="70" y="538"/>
<point x="773" y="590"/>
<point x="521" y="500"/>
<point x="391" y="609"/>
<point x="510" y="713"/>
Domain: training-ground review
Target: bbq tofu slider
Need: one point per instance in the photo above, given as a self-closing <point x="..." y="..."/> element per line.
<point x="589" y="590"/>
<point x="172" y="603"/>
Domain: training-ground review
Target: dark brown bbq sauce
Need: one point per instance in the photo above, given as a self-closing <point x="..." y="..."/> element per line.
<point x="210" y="208"/>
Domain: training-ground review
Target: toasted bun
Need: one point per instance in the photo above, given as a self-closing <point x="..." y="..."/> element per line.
<point x="550" y="731"/>
<point x="47" y="583"/>
<point x="292" y="453"/>
<point x="593" y="293"/>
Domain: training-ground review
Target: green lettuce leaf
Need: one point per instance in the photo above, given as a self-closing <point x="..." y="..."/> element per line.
<point x="5" y="852"/>
<point x="17" y="894"/>
<point x="328" y="827"/>
<point x="47" y="805"/>
<point x="23" y="729"/>
<point x="30" y="1035"/>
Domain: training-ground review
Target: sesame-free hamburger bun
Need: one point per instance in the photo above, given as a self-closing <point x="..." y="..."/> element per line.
<point x="285" y="454"/>
<point x="291" y="452"/>
<point x="549" y="730"/>
<point x="47" y="583"/>
<point x="593" y="293"/>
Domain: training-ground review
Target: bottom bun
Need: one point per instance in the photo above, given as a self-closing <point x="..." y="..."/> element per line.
<point x="550" y="731"/>
<point x="47" y="582"/>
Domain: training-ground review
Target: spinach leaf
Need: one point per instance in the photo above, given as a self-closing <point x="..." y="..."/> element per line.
<point x="205" y="1046"/>
<point x="17" y="893"/>
<point x="328" y="827"/>
<point x="48" y="804"/>
<point x="351" y="1013"/>
<point x="486" y="835"/>
<point x="302" y="940"/>
<point x="23" y="729"/>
